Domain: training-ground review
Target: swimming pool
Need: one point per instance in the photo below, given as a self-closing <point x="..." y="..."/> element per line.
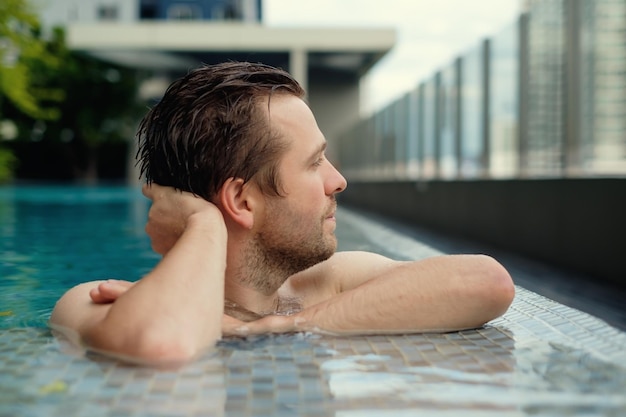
<point x="541" y="358"/>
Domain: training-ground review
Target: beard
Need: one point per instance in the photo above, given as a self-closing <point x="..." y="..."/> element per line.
<point x="286" y="245"/>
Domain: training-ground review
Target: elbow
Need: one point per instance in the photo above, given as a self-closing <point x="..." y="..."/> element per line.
<point x="496" y="288"/>
<point x="156" y="350"/>
<point x="145" y="347"/>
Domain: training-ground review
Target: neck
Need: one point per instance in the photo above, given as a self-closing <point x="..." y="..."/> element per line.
<point x="250" y="289"/>
<point x="253" y="274"/>
<point x="247" y="304"/>
<point x="253" y="279"/>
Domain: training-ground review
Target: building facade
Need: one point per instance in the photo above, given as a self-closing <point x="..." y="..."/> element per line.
<point x="170" y="37"/>
<point x="544" y="98"/>
<point x="63" y="12"/>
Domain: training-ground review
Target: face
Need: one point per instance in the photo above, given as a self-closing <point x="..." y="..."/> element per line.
<point x="297" y="230"/>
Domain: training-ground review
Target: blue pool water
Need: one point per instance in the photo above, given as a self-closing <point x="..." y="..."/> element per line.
<point x="540" y="359"/>
<point x="53" y="237"/>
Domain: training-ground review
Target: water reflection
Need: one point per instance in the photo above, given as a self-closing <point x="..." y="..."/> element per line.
<point x="442" y="371"/>
<point x="511" y="370"/>
<point x="489" y="371"/>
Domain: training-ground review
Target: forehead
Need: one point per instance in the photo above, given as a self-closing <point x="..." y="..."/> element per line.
<point x="291" y="118"/>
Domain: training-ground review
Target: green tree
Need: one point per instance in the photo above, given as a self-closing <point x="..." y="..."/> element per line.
<point x="20" y="45"/>
<point x="7" y="164"/>
<point x="100" y="105"/>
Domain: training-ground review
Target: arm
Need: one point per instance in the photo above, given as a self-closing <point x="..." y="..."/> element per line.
<point x="377" y="295"/>
<point x="175" y="311"/>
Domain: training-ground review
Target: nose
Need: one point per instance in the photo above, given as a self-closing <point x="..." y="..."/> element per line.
<point x="335" y="182"/>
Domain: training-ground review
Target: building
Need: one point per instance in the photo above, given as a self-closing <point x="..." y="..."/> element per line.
<point x="170" y="37"/>
<point x="544" y="98"/>
<point x="519" y="142"/>
<point x="576" y="87"/>
<point x="65" y="12"/>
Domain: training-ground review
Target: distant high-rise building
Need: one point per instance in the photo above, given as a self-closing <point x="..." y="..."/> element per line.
<point x="603" y="85"/>
<point x="543" y="98"/>
<point x="576" y="87"/>
<point x="546" y="88"/>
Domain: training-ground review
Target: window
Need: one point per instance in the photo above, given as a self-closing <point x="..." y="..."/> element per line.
<point x="184" y="12"/>
<point x="107" y="12"/>
<point x="148" y="10"/>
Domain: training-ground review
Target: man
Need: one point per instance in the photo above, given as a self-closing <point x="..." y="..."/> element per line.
<point x="244" y="216"/>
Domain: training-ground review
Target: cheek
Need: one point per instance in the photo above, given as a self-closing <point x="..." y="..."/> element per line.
<point x="306" y="193"/>
<point x="304" y="211"/>
<point x="312" y="202"/>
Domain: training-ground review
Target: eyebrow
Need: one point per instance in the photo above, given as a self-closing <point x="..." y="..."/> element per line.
<point x="319" y="150"/>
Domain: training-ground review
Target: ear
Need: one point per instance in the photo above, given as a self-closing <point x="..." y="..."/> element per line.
<point x="239" y="200"/>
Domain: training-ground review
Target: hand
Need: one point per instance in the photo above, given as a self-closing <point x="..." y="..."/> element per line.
<point x="266" y="325"/>
<point x="170" y="212"/>
<point x="271" y="324"/>
<point x="230" y="325"/>
<point x="108" y="291"/>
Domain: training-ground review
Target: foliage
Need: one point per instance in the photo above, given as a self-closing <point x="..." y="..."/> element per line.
<point x="100" y="105"/>
<point x="20" y="46"/>
<point x="7" y="163"/>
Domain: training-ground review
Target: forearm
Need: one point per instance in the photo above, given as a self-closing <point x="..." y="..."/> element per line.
<point x="436" y="294"/>
<point x="176" y="310"/>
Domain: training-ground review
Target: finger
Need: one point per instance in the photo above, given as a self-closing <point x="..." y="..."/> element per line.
<point x="271" y="324"/>
<point x="229" y="325"/>
<point x="146" y="190"/>
<point x="113" y="289"/>
<point x="109" y="291"/>
<point x="96" y="297"/>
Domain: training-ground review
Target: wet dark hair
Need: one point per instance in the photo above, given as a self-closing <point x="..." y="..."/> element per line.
<point x="211" y="125"/>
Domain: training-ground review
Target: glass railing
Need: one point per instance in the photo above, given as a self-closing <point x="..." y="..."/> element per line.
<point x="543" y="98"/>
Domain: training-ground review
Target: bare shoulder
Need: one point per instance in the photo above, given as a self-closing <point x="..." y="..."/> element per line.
<point x="341" y="272"/>
<point x="355" y="262"/>
<point x="75" y="311"/>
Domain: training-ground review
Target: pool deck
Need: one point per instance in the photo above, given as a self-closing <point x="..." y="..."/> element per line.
<point x="542" y="358"/>
<point x="578" y="290"/>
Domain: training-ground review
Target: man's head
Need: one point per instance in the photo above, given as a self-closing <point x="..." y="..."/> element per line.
<point x="296" y="231"/>
<point x="211" y="126"/>
<point x="240" y="135"/>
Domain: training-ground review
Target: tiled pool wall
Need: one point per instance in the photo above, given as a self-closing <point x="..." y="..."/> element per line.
<point x="541" y="358"/>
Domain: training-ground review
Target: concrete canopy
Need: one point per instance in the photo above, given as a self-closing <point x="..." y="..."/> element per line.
<point x="328" y="62"/>
<point x="347" y="53"/>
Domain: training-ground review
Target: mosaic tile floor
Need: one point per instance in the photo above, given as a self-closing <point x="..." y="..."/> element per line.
<point x="541" y="358"/>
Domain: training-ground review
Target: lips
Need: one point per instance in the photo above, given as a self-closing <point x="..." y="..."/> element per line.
<point x="331" y="214"/>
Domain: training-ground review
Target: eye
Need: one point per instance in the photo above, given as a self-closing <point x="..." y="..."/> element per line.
<point x="319" y="161"/>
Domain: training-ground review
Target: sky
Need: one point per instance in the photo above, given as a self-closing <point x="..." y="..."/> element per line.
<point x="429" y="34"/>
